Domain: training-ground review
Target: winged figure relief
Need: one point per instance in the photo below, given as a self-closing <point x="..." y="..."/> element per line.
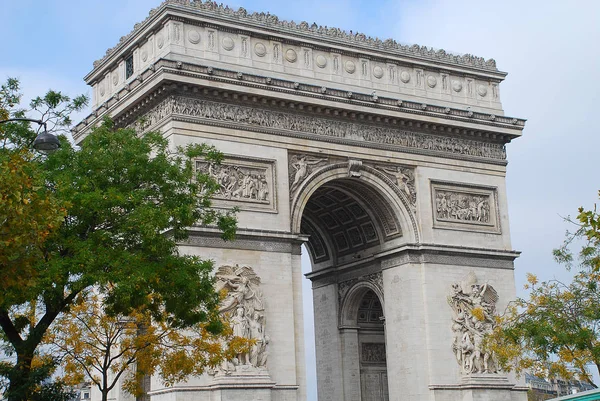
<point x="303" y="166"/>
<point x="474" y="307"/>
<point x="242" y="286"/>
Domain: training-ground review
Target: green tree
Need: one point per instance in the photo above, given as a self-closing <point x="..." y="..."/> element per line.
<point x="555" y="332"/>
<point x="123" y="202"/>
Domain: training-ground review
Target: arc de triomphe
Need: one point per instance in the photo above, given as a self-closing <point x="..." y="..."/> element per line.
<point x="387" y="160"/>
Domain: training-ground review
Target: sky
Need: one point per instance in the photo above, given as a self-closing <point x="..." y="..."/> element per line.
<point x="548" y="47"/>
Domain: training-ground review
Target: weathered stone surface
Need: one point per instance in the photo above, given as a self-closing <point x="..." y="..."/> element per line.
<point x="392" y="171"/>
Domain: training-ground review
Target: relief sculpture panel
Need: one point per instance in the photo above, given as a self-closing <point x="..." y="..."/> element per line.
<point x="243" y="308"/>
<point x="474" y="309"/>
<point x="300" y="167"/>
<point x="372" y="353"/>
<point x="243" y="182"/>
<point x="465" y="207"/>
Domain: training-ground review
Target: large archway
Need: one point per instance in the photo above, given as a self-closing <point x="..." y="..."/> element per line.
<point x="349" y="220"/>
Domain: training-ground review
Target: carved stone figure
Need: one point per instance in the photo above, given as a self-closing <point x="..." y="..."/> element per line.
<point x="450" y="205"/>
<point x="248" y="116"/>
<point x="404" y="179"/>
<point x="303" y="166"/>
<point x="474" y="308"/>
<point x="237" y="182"/>
<point x="243" y="308"/>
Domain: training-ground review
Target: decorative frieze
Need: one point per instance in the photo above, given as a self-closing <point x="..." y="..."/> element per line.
<point x="248" y="183"/>
<point x="372" y="353"/>
<point x="335" y="129"/>
<point x="473" y="310"/>
<point x="244" y="309"/>
<point x="465" y="207"/>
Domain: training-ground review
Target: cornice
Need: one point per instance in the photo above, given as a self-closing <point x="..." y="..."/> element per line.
<point x="341" y="97"/>
<point x="302" y="31"/>
<point x="423" y="254"/>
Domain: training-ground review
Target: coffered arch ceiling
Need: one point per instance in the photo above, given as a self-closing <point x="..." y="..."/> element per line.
<point x="345" y="217"/>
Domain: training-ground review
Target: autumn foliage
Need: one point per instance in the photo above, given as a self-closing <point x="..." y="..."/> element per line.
<point x="108" y="350"/>
<point x="103" y="218"/>
<point x="555" y="332"/>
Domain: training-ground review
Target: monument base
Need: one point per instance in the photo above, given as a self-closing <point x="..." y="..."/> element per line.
<point x="480" y="387"/>
<point x="245" y="383"/>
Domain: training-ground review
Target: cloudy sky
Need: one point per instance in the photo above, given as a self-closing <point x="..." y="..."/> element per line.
<point x="549" y="48"/>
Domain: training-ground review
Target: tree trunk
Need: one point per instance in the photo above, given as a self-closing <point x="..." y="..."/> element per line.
<point x="20" y="385"/>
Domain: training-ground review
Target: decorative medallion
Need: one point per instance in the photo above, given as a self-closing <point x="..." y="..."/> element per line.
<point x="260" y="49"/>
<point x="405" y="77"/>
<point x="194" y="36"/>
<point x="474" y="310"/>
<point x="456" y="86"/>
<point x="291" y="56"/>
<point x="350" y="67"/>
<point x="160" y="41"/>
<point x="228" y="43"/>
<point x="482" y="90"/>
<point x="320" y="61"/>
<point x="115" y="78"/>
<point x="101" y="89"/>
<point x="378" y="72"/>
<point x="144" y="55"/>
<point x="431" y="81"/>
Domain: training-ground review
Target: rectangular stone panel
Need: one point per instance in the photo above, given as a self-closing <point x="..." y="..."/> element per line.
<point x="247" y="183"/>
<point x="465" y="207"/>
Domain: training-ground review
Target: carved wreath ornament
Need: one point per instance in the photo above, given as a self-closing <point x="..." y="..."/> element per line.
<point x="244" y="309"/>
<point x="474" y="307"/>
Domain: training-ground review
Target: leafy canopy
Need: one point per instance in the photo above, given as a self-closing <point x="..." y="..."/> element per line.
<point x="555" y="332"/>
<point x="107" y="215"/>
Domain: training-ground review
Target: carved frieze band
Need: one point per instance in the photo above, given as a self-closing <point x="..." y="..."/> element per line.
<point x="248" y="183"/>
<point x="465" y="207"/>
<point x="335" y="129"/>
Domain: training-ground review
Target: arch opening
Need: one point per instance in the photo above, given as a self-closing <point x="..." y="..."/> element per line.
<point x="371" y="348"/>
<point x="348" y="221"/>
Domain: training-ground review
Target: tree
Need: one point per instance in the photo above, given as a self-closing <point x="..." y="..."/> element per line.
<point x="104" y="349"/>
<point x="555" y="333"/>
<point x="124" y="202"/>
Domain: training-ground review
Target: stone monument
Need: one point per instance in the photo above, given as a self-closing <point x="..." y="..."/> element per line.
<point x="388" y="161"/>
